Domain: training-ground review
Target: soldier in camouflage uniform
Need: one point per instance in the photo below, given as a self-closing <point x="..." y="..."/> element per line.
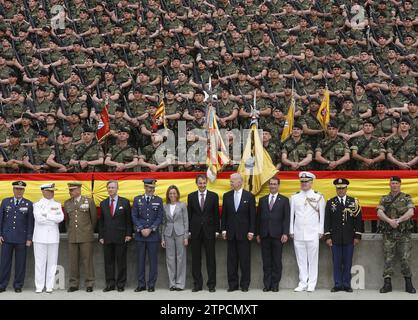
<point x="367" y="151"/>
<point x="121" y="156"/>
<point x="384" y="125"/>
<point x="60" y="158"/>
<point x="27" y="133"/>
<point x="14" y="157"/>
<point x="40" y="153"/>
<point x="395" y="211"/>
<point x="297" y="154"/>
<point x="402" y="149"/>
<point x="333" y="152"/>
<point x="88" y="155"/>
<point x="272" y="147"/>
<point x="312" y="128"/>
<point x="4" y="131"/>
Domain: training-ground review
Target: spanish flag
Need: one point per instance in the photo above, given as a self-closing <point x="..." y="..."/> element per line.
<point x="256" y="165"/>
<point x="217" y="155"/>
<point x="290" y="120"/>
<point x="103" y="128"/>
<point x="324" y="110"/>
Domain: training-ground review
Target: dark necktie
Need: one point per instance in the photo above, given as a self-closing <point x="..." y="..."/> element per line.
<point x="342" y="201"/>
<point x="147" y="199"/>
<point x="17" y="202"/>
<point x="202" y="200"/>
<point x="112" y="207"/>
<point x="271" y="204"/>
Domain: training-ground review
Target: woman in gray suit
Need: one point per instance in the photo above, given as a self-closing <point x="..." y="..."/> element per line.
<point x="175" y="234"/>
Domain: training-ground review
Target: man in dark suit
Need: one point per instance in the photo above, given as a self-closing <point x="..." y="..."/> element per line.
<point x="204" y="225"/>
<point x="16" y="231"/>
<point x="147" y="216"/>
<point x="273" y="220"/>
<point x="115" y="231"/>
<point x="342" y="229"/>
<point x="238" y="227"/>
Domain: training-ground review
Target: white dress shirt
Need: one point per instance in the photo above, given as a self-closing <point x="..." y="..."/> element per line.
<point x="172" y="208"/>
<point x="237" y="198"/>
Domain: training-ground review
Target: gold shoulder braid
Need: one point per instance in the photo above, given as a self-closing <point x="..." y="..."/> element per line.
<point x="353" y="210"/>
<point x="313" y="203"/>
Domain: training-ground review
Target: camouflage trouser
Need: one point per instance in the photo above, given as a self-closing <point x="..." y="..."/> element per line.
<point x="396" y="241"/>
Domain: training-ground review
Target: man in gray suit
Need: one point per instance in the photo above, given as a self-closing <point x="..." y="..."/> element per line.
<point x="175" y="238"/>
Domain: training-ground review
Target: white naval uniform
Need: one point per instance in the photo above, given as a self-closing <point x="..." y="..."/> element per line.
<point x="306" y="223"/>
<point x="48" y="214"/>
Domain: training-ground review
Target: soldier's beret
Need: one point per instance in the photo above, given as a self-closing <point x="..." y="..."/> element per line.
<point x="42" y="88"/>
<point x="228" y="52"/>
<point x="405" y="119"/>
<point x="322" y="34"/>
<point x="242" y="71"/>
<point x="67" y="133"/>
<point x="203" y="62"/>
<point x="336" y="66"/>
<point x="43" y="134"/>
<point x="293" y="33"/>
<point x="171" y="89"/>
<point x="26" y="116"/>
<point x="329" y="19"/>
<point x="48" y="187"/>
<point x="297" y="125"/>
<point x="226" y="88"/>
<point x="306" y="176"/>
<point x="348" y="98"/>
<point x="199" y="108"/>
<point x="396" y="179"/>
<point x="15" y="134"/>
<point x="19" y="184"/>
<point x="341" y="183"/>
<point x="51" y="115"/>
<point x="75" y="86"/>
<point x="267" y="130"/>
<point x="108" y="69"/>
<point x="373" y="62"/>
<point x="37" y="56"/>
<point x="16" y="89"/>
<point x="13" y="74"/>
<point x="74" y="185"/>
<point x="314" y="100"/>
<point x="120" y="109"/>
<point x="88" y="129"/>
<point x="368" y="121"/>
<point x="199" y="91"/>
<point x="44" y="73"/>
<point x="332" y="124"/>
<point x="149" y="182"/>
<point x="76" y="114"/>
<point x="396" y="82"/>
<point x="125" y="129"/>
<point x="307" y="69"/>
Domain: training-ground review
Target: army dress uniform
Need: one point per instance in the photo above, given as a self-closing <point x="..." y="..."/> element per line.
<point x="394" y="206"/>
<point x="147" y="213"/>
<point x="16" y="228"/>
<point x="81" y="220"/>
<point x="342" y="225"/>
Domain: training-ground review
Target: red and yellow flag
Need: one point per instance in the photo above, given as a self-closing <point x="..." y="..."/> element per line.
<point x="290" y="120"/>
<point x="324" y="111"/>
<point x="103" y="128"/>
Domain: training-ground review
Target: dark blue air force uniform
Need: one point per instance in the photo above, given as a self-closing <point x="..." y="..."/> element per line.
<point x="16" y="227"/>
<point x="147" y="214"/>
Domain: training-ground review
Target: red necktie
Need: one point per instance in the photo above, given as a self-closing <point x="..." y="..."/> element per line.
<point x="112" y="207"/>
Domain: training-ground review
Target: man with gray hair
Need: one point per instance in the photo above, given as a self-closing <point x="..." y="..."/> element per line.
<point x="238" y="227"/>
<point x="307" y="212"/>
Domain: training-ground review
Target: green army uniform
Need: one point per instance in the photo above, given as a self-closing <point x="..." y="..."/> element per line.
<point x="128" y="25"/>
<point x="225" y="110"/>
<point x="52" y="56"/>
<point x="241" y="21"/>
<point x="94" y="41"/>
<point x="81" y="221"/>
<point x="333" y="150"/>
<point x="351" y="51"/>
<point x="13" y="111"/>
<point x="413" y="130"/>
<point x="45" y="106"/>
<point x="122" y="155"/>
<point x="135" y="58"/>
<point x="53" y="135"/>
<point x="256" y="35"/>
<point x="108" y="57"/>
<point x="76" y="131"/>
<point x="5" y="71"/>
<point x="211" y="54"/>
<point x="78" y="57"/>
<point x="121" y="75"/>
<point x="290" y="20"/>
<point x="196" y="124"/>
<point x="256" y="66"/>
<point x="296" y="151"/>
<point x="41" y="154"/>
<point x="275" y="126"/>
<point x="284" y="103"/>
<point x="323" y="51"/>
<point x="83" y="25"/>
<point x="64" y="71"/>
<point x="403" y="150"/>
<point x="315" y="65"/>
<point x="313" y="123"/>
<point x="15" y="153"/>
<point x="273" y="150"/>
<point x="361" y="105"/>
<point x="267" y="50"/>
<point x="284" y="66"/>
<point x="383" y="127"/>
<point x="154" y="73"/>
<point x="138" y="107"/>
<point x="75" y="105"/>
<point x="192" y="106"/>
<point x="113" y="88"/>
<point x="392" y="67"/>
<point x="396" y="239"/>
<point x="228" y="69"/>
<point x="170" y="109"/>
<point x="87" y="153"/>
<point x="27" y="136"/>
<point x="308" y="87"/>
<point x="294" y="49"/>
<point x="340" y="84"/>
<point x="367" y="148"/>
<point x="90" y="75"/>
<point x="4" y="133"/>
<point x="149" y="155"/>
<point x="65" y="154"/>
<point x="396" y="101"/>
<point x="408" y="80"/>
<point x="348" y="123"/>
<point x="305" y="36"/>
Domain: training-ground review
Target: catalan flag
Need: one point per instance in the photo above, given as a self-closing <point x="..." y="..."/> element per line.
<point x="159" y="117"/>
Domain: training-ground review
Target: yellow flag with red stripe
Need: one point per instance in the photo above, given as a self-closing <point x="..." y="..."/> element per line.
<point x="290" y="120"/>
<point x="324" y="110"/>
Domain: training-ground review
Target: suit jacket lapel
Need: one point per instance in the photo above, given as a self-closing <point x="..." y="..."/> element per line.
<point x="275" y="202"/>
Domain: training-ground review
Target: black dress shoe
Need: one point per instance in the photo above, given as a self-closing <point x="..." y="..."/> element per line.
<point x="212" y="290"/>
<point x="275" y="289"/>
<point x="178" y="289"/>
<point x="244" y="289"/>
<point x="195" y="289"/>
<point x="121" y="289"/>
<point x="151" y="289"/>
<point x="72" y="289"/>
<point x="89" y="289"/>
<point x="336" y="289"/>
<point x="266" y="289"/>
<point x="172" y="289"/>
<point x="108" y="288"/>
<point x="232" y="289"/>
<point x="348" y="289"/>
<point x="18" y="290"/>
<point x="2" y="289"/>
<point x="139" y="289"/>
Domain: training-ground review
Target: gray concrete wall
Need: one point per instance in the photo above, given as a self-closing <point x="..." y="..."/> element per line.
<point x="369" y="255"/>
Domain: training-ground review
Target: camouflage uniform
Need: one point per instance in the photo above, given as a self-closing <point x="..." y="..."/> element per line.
<point x="403" y="150"/>
<point x="312" y="122"/>
<point x="333" y="150"/>
<point x="369" y="149"/>
<point x="87" y="153"/>
<point x="399" y="238"/>
<point x="122" y="155"/>
<point x="296" y="151"/>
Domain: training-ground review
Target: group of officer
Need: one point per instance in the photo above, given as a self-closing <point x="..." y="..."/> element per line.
<point x="338" y="222"/>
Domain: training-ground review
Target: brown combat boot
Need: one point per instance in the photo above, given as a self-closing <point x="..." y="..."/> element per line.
<point x="387" y="286"/>
<point x="408" y="286"/>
